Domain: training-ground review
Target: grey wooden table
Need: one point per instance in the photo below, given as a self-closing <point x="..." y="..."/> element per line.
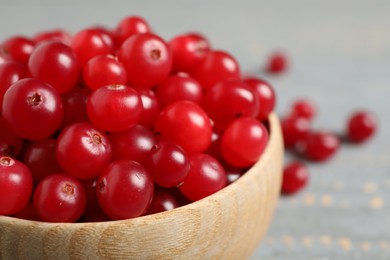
<point x="340" y="55"/>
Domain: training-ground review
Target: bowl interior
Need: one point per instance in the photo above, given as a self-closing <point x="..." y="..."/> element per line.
<point x="227" y="224"/>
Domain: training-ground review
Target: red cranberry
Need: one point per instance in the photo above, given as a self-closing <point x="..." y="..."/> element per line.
<point x="319" y="146"/>
<point x="266" y="95"/>
<point x="277" y="63"/>
<point x="295" y="177"/>
<point x="188" y="51"/>
<point x="215" y="67"/>
<point x="304" y="108"/>
<point x="146" y="58"/>
<point x="361" y="126"/>
<point x="19" y="48"/>
<point x="294" y="130"/>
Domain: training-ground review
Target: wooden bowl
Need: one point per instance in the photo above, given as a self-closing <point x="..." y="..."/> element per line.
<point x="228" y="224"/>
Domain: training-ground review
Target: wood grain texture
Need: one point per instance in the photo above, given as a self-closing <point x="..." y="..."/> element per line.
<point x="226" y="225"/>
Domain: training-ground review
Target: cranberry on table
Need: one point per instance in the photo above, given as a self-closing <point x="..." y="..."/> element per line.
<point x="19" y="48"/>
<point x="59" y="198"/>
<point x="243" y="142"/>
<point x="320" y="145"/>
<point x="114" y="108"/>
<point x="186" y="124"/>
<point x="188" y="51"/>
<point x="229" y="100"/>
<point x="104" y="70"/>
<point x="56" y="64"/>
<point x="83" y="151"/>
<point x="215" y="67"/>
<point x="146" y="58"/>
<point x="124" y="189"/>
<point x="15" y="185"/>
<point x="177" y="88"/>
<point x="133" y="144"/>
<point x="277" y="63"/>
<point x="361" y="126"/>
<point x="304" y="108"/>
<point x="294" y="129"/>
<point x="168" y="164"/>
<point x="32" y="109"/>
<point x="206" y="177"/>
<point x="266" y="95"/>
<point x="295" y="177"/>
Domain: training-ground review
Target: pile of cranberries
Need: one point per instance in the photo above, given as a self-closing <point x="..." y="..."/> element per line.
<point x="118" y="123"/>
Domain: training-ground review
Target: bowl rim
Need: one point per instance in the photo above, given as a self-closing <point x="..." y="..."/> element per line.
<point x="273" y="127"/>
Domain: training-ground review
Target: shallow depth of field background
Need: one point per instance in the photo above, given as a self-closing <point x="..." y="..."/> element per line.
<point x="340" y="58"/>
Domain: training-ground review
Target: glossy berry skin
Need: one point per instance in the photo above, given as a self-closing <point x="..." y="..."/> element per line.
<point x="277" y="63"/>
<point x="243" y="142"/>
<point x="130" y="26"/>
<point x="294" y="129"/>
<point x="10" y="143"/>
<point x="177" y="88"/>
<point x="75" y="106"/>
<point x="133" y="144"/>
<point x="114" y="107"/>
<point x="147" y="59"/>
<point x="206" y="177"/>
<point x="266" y="95"/>
<point x="32" y="109"/>
<point x="295" y="177"/>
<point x="19" y="48"/>
<point x="59" y="198"/>
<point x="215" y="67"/>
<point x="151" y="108"/>
<point x="89" y="43"/>
<point x="56" y="64"/>
<point x="40" y="157"/>
<point x="10" y="72"/>
<point x="320" y="146"/>
<point x="361" y="126"/>
<point x="124" y="189"/>
<point x="188" y="51"/>
<point x="83" y="151"/>
<point x="303" y="108"/>
<point x="229" y="100"/>
<point x="104" y="70"/>
<point x="186" y="124"/>
<point x="15" y="185"/>
<point x="55" y="34"/>
<point x="162" y="201"/>
<point x="168" y="164"/>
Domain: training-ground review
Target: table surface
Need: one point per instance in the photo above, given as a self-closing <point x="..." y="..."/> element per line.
<point x="340" y="58"/>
